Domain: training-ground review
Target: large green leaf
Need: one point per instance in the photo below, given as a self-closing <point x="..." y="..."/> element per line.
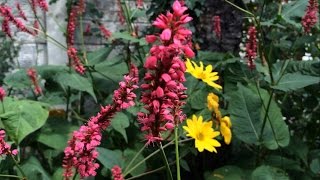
<point x="294" y="81"/>
<point x="22" y="117"/>
<point x="119" y="123"/>
<point x="269" y="173"/>
<point x="109" y="158"/>
<point x="56" y="133"/>
<point x="311" y="68"/>
<point x="293" y="11"/>
<point x="112" y="69"/>
<point x="33" y="170"/>
<point x="245" y="109"/>
<point x="75" y="81"/>
<point x="248" y="115"/>
<point x="226" y="173"/>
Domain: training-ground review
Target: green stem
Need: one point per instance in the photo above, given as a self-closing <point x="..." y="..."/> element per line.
<point x="266" y="115"/>
<point x="11" y="176"/>
<point x="241" y="9"/>
<point x="135" y="157"/>
<point x="165" y="160"/>
<point x="146" y="173"/>
<point x="176" y="129"/>
<point x="18" y="166"/>
<point x="151" y="155"/>
<point x="148" y="157"/>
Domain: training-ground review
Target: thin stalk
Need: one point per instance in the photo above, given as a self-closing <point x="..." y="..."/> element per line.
<point x="241" y="9"/>
<point x="148" y="157"/>
<point x="164" y="157"/>
<point x="11" y="176"/>
<point x="146" y="173"/>
<point x="68" y="101"/>
<point x="176" y="129"/>
<point x="152" y="154"/>
<point x="18" y="166"/>
<point x="135" y="157"/>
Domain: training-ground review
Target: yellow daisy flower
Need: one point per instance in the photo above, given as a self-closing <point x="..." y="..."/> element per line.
<point x="206" y="75"/>
<point x="225" y="130"/>
<point x="203" y="134"/>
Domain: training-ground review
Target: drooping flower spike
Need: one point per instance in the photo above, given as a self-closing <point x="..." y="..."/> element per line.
<point x="217" y="26"/>
<point x="117" y="173"/>
<point x="32" y="73"/>
<point x="251" y="47"/>
<point x="81" y="151"/>
<point x="5" y="148"/>
<point x="163" y="91"/>
<point x="202" y="73"/>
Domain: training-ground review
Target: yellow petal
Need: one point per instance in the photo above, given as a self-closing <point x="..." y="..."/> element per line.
<point x="226" y="133"/>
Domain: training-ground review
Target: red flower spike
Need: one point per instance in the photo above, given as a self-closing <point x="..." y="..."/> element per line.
<point x="163" y="90"/>
<point x="251" y="47"/>
<point x="217" y="26"/>
<point x="5" y="148"/>
<point x="76" y="62"/>
<point x="310" y="17"/>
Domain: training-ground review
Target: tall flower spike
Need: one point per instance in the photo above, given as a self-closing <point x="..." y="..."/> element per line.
<point x="139" y="4"/>
<point x="217" y="26"/>
<point x="81" y="152"/>
<point x="2" y="93"/>
<point x="310" y="17"/>
<point x="43" y="5"/>
<point x="163" y="90"/>
<point x="120" y="12"/>
<point x="32" y="73"/>
<point x="251" y="47"/>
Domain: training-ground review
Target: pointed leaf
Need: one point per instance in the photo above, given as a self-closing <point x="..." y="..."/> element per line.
<point x="294" y="81"/>
<point x="119" y="123"/>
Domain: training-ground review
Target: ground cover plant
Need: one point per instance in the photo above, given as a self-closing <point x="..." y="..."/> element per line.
<point x="163" y="107"/>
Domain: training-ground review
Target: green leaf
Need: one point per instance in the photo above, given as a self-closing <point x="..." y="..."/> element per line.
<point x="128" y="155"/>
<point x="226" y="173"/>
<point x="99" y="55"/>
<point x="18" y="80"/>
<point x="245" y="110"/>
<point x="23" y="117"/>
<point x="247" y="116"/>
<point x="283" y="162"/>
<point x="109" y="158"/>
<point x="294" y="81"/>
<point x="119" y="123"/>
<point x="269" y="173"/>
<point x="75" y="81"/>
<point x="56" y="133"/>
<point x="315" y="166"/>
<point x="113" y="69"/>
<point x="292" y="12"/>
<point x="33" y="170"/>
<point x="311" y="68"/>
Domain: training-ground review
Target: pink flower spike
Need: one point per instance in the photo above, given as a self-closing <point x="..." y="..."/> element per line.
<point x="151" y="62"/>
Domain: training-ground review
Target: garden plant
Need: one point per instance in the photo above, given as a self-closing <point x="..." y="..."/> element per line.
<point x="153" y="104"/>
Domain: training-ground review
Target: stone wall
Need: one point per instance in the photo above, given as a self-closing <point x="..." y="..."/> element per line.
<point x="38" y="51"/>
